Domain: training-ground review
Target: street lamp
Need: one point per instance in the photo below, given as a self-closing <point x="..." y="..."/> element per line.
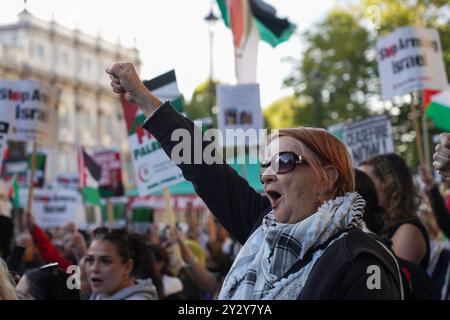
<point x="211" y="20"/>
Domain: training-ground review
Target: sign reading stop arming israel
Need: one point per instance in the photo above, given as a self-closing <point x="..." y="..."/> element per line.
<point x="368" y="138"/>
<point x="153" y="168"/>
<point x="31" y="109"/>
<point x="54" y="208"/>
<point x="410" y="59"/>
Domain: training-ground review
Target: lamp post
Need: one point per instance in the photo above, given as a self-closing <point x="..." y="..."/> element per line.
<point x="211" y="19"/>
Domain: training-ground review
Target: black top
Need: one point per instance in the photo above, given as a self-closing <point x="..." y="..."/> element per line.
<point x="240" y="209"/>
<point x="416" y="222"/>
<point x="440" y="210"/>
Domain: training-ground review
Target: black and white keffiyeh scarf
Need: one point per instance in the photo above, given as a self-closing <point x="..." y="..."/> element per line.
<point x="259" y="269"/>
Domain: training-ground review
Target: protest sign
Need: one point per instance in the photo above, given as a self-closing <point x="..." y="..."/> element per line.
<point x="153" y="169"/>
<point x="110" y="184"/>
<point x="31" y="108"/>
<point x="66" y="181"/>
<point x="410" y="59"/>
<point x="53" y="208"/>
<point x="239" y="108"/>
<point x="369" y="137"/>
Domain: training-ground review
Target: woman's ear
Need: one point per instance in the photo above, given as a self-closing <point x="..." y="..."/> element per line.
<point x="326" y="190"/>
<point x="129" y="267"/>
<point x="332" y="174"/>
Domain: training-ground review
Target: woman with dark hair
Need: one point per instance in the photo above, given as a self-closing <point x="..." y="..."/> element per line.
<point x="398" y="196"/>
<point x="144" y="266"/>
<point x="373" y="212"/>
<point x="109" y="265"/>
<point x="49" y="282"/>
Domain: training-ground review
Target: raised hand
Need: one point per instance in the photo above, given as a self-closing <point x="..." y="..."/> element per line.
<point x="126" y="81"/>
<point x="442" y="156"/>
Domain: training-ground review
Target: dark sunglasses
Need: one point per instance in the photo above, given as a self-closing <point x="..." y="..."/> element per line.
<point x="283" y="162"/>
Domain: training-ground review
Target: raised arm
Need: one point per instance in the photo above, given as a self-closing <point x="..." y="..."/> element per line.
<point x="442" y="156"/>
<point x="228" y="196"/>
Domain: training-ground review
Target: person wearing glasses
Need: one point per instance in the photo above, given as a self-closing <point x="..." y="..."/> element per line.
<point x="109" y="264"/>
<point x="302" y="239"/>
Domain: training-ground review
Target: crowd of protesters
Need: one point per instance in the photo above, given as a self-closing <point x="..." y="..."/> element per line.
<point x="315" y="233"/>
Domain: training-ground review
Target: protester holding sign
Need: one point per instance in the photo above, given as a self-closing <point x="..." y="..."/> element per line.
<point x="309" y="216"/>
<point x="442" y="156"/>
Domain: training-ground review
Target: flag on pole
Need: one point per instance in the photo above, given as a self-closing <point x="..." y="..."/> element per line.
<point x="90" y="173"/>
<point x="439" y="110"/>
<point x="14" y="193"/>
<point x="250" y="21"/>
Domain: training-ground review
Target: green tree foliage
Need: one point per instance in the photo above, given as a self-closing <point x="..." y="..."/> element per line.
<point x="202" y="101"/>
<point x="340" y="52"/>
<point x="285" y="112"/>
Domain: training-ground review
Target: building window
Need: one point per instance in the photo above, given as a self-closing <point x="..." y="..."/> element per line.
<point x="40" y="51"/>
<point x="64" y="58"/>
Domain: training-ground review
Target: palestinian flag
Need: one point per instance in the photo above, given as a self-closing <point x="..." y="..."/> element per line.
<point x="439" y="110"/>
<point x="250" y="21"/>
<point x="90" y="173"/>
<point x="165" y="88"/>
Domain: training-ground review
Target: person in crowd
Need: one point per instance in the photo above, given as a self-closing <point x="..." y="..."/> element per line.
<point x="6" y="235"/>
<point x="436" y="200"/>
<point x="85" y="287"/>
<point x="48" y="252"/>
<point x="373" y="212"/>
<point x="49" y="282"/>
<point x="203" y="279"/>
<point x="436" y="218"/>
<point x="144" y="265"/>
<point x="397" y="194"/>
<point x="442" y="156"/>
<point x="302" y="239"/>
<point x="7" y="290"/>
<point x="109" y="265"/>
<point x="171" y="285"/>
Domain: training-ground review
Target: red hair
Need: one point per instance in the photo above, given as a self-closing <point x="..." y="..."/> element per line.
<point x="330" y="151"/>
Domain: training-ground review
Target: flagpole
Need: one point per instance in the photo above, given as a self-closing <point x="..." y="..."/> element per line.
<point x="31" y="186"/>
<point x="426" y="141"/>
<point x="171" y="222"/>
<point x="110" y="212"/>
<point x="417" y="129"/>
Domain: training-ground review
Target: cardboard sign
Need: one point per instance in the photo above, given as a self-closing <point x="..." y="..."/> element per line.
<point x="410" y="59"/>
<point x="368" y="138"/>
<point x="54" y="208"/>
<point x="66" y="181"/>
<point x="31" y="108"/>
<point x="111" y="178"/>
<point x="239" y="108"/>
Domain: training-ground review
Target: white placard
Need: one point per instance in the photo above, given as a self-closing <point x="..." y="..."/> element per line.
<point x="410" y="59"/>
<point x="239" y="108"/>
<point x="368" y="138"/>
<point x="31" y="108"/>
<point x="54" y="208"/>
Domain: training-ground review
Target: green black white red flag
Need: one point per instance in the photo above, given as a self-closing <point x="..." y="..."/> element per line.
<point x="90" y="173"/>
<point x="250" y="21"/>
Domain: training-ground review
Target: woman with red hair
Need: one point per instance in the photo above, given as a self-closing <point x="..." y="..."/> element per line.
<point x="303" y="239"/>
